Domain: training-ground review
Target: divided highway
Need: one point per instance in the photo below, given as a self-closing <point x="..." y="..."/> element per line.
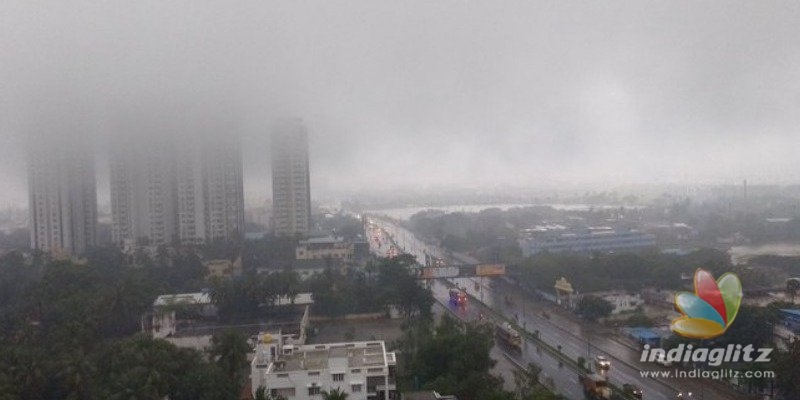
<point x="575" y="339"/>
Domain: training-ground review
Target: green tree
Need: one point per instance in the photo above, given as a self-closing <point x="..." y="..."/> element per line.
<point x="143" y="368"/>
<point x="787" y="373"/>
<point x="593" y="307"/>
<point x="526" y="380"/>
<point x="753" y="325"/>
<point x="229" y="351"/>
<point x="402" y="289"/>
<point x="639" y="319"/>
<point x="450" y="358"/>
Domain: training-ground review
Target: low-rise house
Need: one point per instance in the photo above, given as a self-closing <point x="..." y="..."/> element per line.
<point x="559" y="239"/>
<point x="161" y="321"/>
<point x="363" y="370"/>
<point x="788" y="329"/>
<point x="223" y="268"/>
<point x="621" y="301"/>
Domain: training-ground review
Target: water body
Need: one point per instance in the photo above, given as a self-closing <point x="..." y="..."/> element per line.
<point x="405" y="213"/>
<point x="740" y="254"/>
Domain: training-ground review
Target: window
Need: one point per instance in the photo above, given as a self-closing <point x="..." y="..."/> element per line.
<point x="314" y="373"/>
<point x="338" y="377"/>
<point x="356" y="388"/>
<point x="355" y="371"/>
<point x="313" y="390"/>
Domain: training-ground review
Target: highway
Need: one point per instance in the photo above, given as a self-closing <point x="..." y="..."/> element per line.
<point x="575" y="339"/>
<point x="554" y="374"/>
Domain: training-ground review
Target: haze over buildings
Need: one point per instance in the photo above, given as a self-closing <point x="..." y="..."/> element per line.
<point x="162" y="191"/>
<point x="423" y="93"/>
<point x="143" y="193"/>
<point x="63" y="198"/>
<point x="291" y="191"/>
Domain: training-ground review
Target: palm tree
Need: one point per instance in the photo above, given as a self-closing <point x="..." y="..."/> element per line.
<point x="335" y="394"/>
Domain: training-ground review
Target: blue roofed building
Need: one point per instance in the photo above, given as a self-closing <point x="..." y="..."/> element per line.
<point x="644" y="336"/>
<point x="788" y="329"/>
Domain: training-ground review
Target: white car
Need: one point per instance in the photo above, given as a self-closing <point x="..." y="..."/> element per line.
<point x="602" y="362"/>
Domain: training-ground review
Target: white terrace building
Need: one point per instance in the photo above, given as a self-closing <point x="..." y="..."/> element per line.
<point x="364" y="370"/>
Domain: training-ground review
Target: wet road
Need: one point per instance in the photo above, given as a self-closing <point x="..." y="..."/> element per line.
<point x="576" y="339"/>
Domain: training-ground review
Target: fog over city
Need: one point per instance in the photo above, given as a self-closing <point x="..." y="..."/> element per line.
<point x="450" y="93"/>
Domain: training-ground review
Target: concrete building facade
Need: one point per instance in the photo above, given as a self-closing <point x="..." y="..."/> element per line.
<point x="223" y="190"/>
<point x="363" y="370"/>
<point x="291" y="191"/>
<point x="588" y="240"/>
<point x="62" y="199"/>
<point x="328" y="247"/>
<point x="143" y="193"/>
<point x="162" y="192"/>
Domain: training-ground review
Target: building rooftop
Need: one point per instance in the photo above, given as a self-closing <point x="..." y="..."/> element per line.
<point x="792" y="312"/>
<point x="200" y="298"/>
<point x="322" y="240"/>
<point x="334" y="357"/>
<point x="301" y="299"/>
<point x="643" y="333"/>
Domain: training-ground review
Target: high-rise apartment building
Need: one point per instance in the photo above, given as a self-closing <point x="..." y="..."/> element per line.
<point x="62" y="198"/>
<point x="189" y="191"/>
<point x="143" y="193"/>
<point x="291" y="192"/>
<point x="210" y="191"/>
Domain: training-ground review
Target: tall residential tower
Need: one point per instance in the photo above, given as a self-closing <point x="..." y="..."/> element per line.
<point x="291" y="191"/>
<point x="62" y="198"/>
<point x="210" y="191"/>
<point x="143" y="193"/>
<point x="189" y="191"/>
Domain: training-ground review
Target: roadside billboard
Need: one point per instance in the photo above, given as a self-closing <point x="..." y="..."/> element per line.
<point x="490" y="269"/>
<point x="440" y="272"/>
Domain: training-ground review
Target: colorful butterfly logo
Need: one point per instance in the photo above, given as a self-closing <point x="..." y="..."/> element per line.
<point x="710" y="311"/>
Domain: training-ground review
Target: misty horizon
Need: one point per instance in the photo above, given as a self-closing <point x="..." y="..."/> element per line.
<point x="424" y="95"/>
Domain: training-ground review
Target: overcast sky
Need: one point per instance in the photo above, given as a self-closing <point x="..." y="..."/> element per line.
<point x="462" y="93"/>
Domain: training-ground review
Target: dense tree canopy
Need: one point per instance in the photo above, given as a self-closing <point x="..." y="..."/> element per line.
<point x="787" y="373"/>
<point x="627" y="271"/>
<point x="69" y="332"/>
<point x="228" y="351"/>
<point x="450" y="359"/>
<point x="384" y="283"/>
<point x="453" y="358"/>
<point x="593" y="308"/>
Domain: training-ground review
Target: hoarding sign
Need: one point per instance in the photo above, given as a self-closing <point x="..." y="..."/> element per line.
<point x="490" y="269"/>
